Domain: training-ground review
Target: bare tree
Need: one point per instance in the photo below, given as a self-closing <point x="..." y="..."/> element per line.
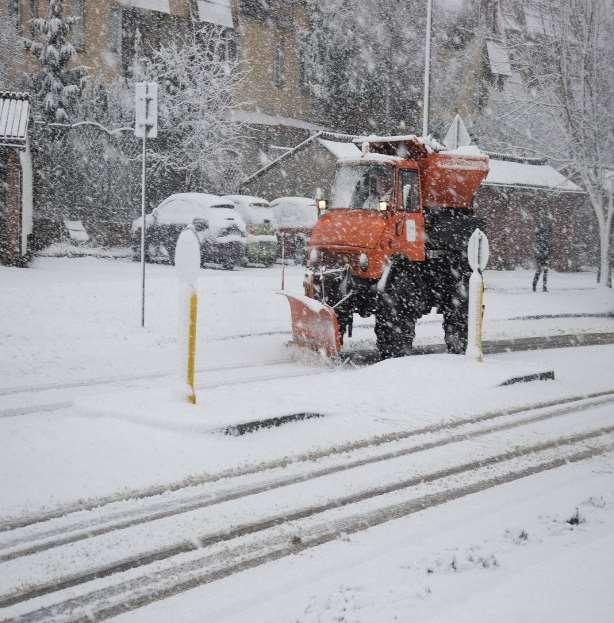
<point x="197" y="85"/>
<point x="561" y="104"/>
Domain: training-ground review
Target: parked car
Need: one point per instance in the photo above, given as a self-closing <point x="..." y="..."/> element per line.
<point x="260" y="220"/>
<point x="295" y="218"/>
<point x="219" y="227"/>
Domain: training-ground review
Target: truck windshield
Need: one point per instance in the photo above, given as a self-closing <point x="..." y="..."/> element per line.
<point x="361" y="187"/>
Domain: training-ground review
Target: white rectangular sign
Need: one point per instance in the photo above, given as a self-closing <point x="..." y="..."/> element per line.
<point x="146" y="109"/>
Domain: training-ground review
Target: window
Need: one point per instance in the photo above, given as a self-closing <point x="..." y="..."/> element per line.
<point x="15" y="13"/>
<point x="227" y="49"/>
<point x="362" y="187"/>
<point x="116" y="30"/>
<point x="410" y="190"/>
<point x="279" y="67"/>
<point x="78" y="29"/>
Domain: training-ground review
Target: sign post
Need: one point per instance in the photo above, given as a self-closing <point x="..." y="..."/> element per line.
<point x="187" y="264"/>
<point x="145" y="126"/>
<point x="477" y="253"/>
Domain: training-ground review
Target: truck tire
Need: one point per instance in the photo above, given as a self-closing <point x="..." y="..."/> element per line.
<point x="395" y="317"/>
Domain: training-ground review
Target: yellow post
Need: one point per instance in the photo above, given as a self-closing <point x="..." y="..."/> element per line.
<point x="481" y="319"/>
<point x="192" y="346"/>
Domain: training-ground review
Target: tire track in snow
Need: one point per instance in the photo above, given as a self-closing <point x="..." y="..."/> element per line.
<point x="365" y="357"/>
<point x="98" y="526"/>
<point x="352" y="358"/>
<point x="143" y="590"/>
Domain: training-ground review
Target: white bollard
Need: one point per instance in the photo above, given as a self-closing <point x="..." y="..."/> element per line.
<point x="187" y="263"/>
<point x="477" y="253"/>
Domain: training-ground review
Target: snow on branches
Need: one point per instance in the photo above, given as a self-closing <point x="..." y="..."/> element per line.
<point x="53" y="50"/>
<point x="559" y="101"/>
<point x="196" y="98"/>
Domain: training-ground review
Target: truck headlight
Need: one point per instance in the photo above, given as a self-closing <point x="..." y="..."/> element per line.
<point x="363" y="261"/>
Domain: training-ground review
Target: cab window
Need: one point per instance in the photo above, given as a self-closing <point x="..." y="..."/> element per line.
<point x="410" y="191"/>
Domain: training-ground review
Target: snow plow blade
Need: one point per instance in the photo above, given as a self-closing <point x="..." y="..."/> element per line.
<point x="314" y="325"/>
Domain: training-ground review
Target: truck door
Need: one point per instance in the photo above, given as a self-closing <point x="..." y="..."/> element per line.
<point x="409" y="219"/>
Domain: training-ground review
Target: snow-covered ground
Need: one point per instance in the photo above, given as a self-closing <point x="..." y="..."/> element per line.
<point x="89" y="410"/>
<point x="506" y="555"/>
<point x="74" y="319"/>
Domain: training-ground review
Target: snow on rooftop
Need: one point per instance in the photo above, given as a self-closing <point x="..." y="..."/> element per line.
<point x="504" y="173"/>
<point x="499" y="59"/>
<point x="259" y="118"/>
<point x="217" y="12"/>
<point x="162" y="6"/>
<point x="341" y="150"/>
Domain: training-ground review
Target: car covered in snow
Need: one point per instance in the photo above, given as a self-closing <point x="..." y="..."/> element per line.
<point x="260" y="220"/>
<point x="220" y="229"/>
<point x="295" y="218"/>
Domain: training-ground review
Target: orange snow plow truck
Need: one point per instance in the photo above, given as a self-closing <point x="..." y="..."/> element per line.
<point x="391" y="242"/>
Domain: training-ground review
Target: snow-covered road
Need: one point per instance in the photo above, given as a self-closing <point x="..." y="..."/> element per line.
<point x="111" y="476"/>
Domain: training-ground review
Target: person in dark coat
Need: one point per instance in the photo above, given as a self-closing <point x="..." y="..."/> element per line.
<point x="543" y="248"/>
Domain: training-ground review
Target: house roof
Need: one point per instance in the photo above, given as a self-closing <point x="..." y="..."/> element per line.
<point x="525" y="175"/>
<point x="162" y="6"/>
<point x="14" y="116"/>
<point x="259" y="118"/>
<point x="341" y="150"/>
<point x="498" y="58"/>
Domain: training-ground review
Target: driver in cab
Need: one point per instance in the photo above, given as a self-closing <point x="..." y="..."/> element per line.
<point x="379" y="189"/>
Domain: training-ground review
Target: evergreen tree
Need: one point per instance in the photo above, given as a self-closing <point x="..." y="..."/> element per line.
<point x="55" y="84"/>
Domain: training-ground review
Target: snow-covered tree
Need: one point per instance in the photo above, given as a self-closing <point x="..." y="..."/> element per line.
<point x="560" y="104"/>
<point x="55" y="84"/>
<point x="196" y="98"/>
<point x="364" y="61"/>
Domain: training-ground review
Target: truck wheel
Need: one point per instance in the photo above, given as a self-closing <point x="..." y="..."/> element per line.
<point x="395" y="319"/>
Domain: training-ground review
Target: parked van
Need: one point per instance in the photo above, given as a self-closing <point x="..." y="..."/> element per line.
<point x="260" y="221"/>
<point x="295" y="218"/>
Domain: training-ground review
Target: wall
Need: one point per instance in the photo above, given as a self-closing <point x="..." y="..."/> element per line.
<point x="298" y="176"/>
<point x="10" y="235"/>
<point x="510" y="221"/>
<point x="259" y="38"/>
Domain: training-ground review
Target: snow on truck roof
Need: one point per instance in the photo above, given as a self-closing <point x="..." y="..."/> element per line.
<point x="426" y="145"/>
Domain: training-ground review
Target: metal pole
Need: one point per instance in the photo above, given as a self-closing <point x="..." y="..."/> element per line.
<point x="143" y="229"/>
<point x="427" y="69"/>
